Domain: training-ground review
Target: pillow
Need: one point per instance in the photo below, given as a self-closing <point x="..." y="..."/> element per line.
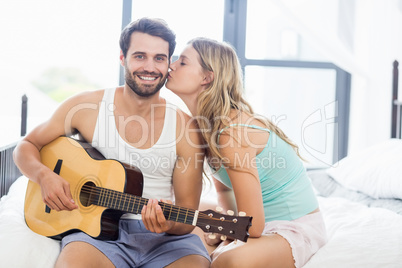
<point x="19" y="246"/>
<point x="375" y="171"/>
<point x="325" y="186"/>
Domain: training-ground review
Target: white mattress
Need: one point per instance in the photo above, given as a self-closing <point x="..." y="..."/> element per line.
<point x="359" y="236"/>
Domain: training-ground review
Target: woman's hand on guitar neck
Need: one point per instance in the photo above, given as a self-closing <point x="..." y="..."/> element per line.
<point x="153" y="218"/>
<point x="56" y="192"/>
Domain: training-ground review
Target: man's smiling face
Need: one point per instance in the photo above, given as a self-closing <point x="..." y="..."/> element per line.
<point x="146" y="64"/>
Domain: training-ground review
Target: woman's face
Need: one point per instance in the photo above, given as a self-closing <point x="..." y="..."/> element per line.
<point x="186" y="78"/>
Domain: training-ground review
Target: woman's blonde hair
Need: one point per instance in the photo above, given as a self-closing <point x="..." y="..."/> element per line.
<point x="224" y="93"/>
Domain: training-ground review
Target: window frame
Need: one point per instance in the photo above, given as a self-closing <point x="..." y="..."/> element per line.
<point x="234" y="31"/>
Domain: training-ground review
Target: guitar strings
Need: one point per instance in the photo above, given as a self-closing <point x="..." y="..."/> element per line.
<point x="132" y="201"/>
<point x="111" y="194"/>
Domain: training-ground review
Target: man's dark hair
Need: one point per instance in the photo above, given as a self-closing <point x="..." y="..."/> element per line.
<point x="151" y="26"/>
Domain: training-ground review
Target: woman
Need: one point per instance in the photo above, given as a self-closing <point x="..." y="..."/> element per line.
<point x="252" y="157"/>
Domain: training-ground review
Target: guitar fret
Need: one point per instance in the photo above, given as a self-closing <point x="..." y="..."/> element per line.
<point x="101" y="197"/>
<point x="135" y="205"/>
<point x="139" y="207"/>
<point x="115" y="197"/>
<point x="128" y="203"/>
<point x="132" y="202"/>
<point x="121" y="201"/>
<point x="118" y="197"/>
<point x="108" y="197"/>
<point x="191" y="216"/>
<point x="185" y="218"/>
<point x="125" y="203"/>
<point x="178" y="213"/>
<point x="118" y="206"/>
<point x="130" y="206"/>
<point x="170" y="212"/>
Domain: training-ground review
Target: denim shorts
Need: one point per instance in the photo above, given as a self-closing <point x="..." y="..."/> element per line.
<point x="138" y="247"/>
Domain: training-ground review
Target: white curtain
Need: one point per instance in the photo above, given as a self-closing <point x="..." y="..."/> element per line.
<point x="363" y="37"/>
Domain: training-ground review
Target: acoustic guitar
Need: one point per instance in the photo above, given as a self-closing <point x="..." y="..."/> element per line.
<point x="105" y="189"/>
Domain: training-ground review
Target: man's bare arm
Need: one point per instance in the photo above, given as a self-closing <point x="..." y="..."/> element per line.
<point x="187" y="180"/>
<point x="55" y="190"/>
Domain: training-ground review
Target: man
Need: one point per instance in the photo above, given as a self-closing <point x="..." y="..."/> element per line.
<point x="133" y="124"/>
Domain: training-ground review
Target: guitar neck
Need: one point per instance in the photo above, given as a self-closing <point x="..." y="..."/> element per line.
<point x="133" y="204"/>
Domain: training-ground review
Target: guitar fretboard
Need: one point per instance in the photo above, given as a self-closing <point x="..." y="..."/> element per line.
<point x="133" y="204"/>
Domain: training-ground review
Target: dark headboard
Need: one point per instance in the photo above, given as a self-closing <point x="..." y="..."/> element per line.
<point x="8" y="170"/>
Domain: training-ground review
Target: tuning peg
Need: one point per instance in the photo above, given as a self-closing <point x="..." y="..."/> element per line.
<point x="219" y="209"/>
<point x="223" y="237"/>
<point x="242" y="213"/>
<point x="212" y="236"/>
<point x="230" y="212"/>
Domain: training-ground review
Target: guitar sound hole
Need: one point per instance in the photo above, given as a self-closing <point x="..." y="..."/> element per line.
<point x="86" y="194"/>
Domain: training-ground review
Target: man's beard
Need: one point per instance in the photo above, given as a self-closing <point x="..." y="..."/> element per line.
<point x="144" y="90"/>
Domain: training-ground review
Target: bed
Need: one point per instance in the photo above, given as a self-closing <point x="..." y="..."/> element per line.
<point x="360" y="198"/>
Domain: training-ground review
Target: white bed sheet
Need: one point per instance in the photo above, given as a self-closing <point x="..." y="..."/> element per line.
<point x="358" y="236"/>
<point x="19" y="246"/>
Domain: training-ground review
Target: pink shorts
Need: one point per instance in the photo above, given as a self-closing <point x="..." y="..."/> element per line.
<point x="306" y="235"/>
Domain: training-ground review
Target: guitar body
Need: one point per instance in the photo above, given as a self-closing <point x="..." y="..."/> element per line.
<point x="103" y="190"/>
<point x="81" y="165"/>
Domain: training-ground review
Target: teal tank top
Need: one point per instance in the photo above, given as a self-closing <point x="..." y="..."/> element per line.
<point x="287" y="192"/>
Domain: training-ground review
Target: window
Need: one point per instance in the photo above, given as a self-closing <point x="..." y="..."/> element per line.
<point x="59" y="46"/>
<point x="301" y="102"/>
<point x="69" y="46"/>
<point x="288" y="81"/>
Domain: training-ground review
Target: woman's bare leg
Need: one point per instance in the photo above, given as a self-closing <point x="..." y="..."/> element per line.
<point x="267" y="251"/>
<point x="190" y="261"/>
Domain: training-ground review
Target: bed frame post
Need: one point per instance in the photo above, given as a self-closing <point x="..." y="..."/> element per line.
<point x="24" y="111"/>
<point x="396" y="106"/>
<point x="9" y="172"/>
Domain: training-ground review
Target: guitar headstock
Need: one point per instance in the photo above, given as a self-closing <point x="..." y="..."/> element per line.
<point x="235" y="227"/>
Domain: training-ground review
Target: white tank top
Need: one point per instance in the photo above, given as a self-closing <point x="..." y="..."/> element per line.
<point x="156" y="163"/>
